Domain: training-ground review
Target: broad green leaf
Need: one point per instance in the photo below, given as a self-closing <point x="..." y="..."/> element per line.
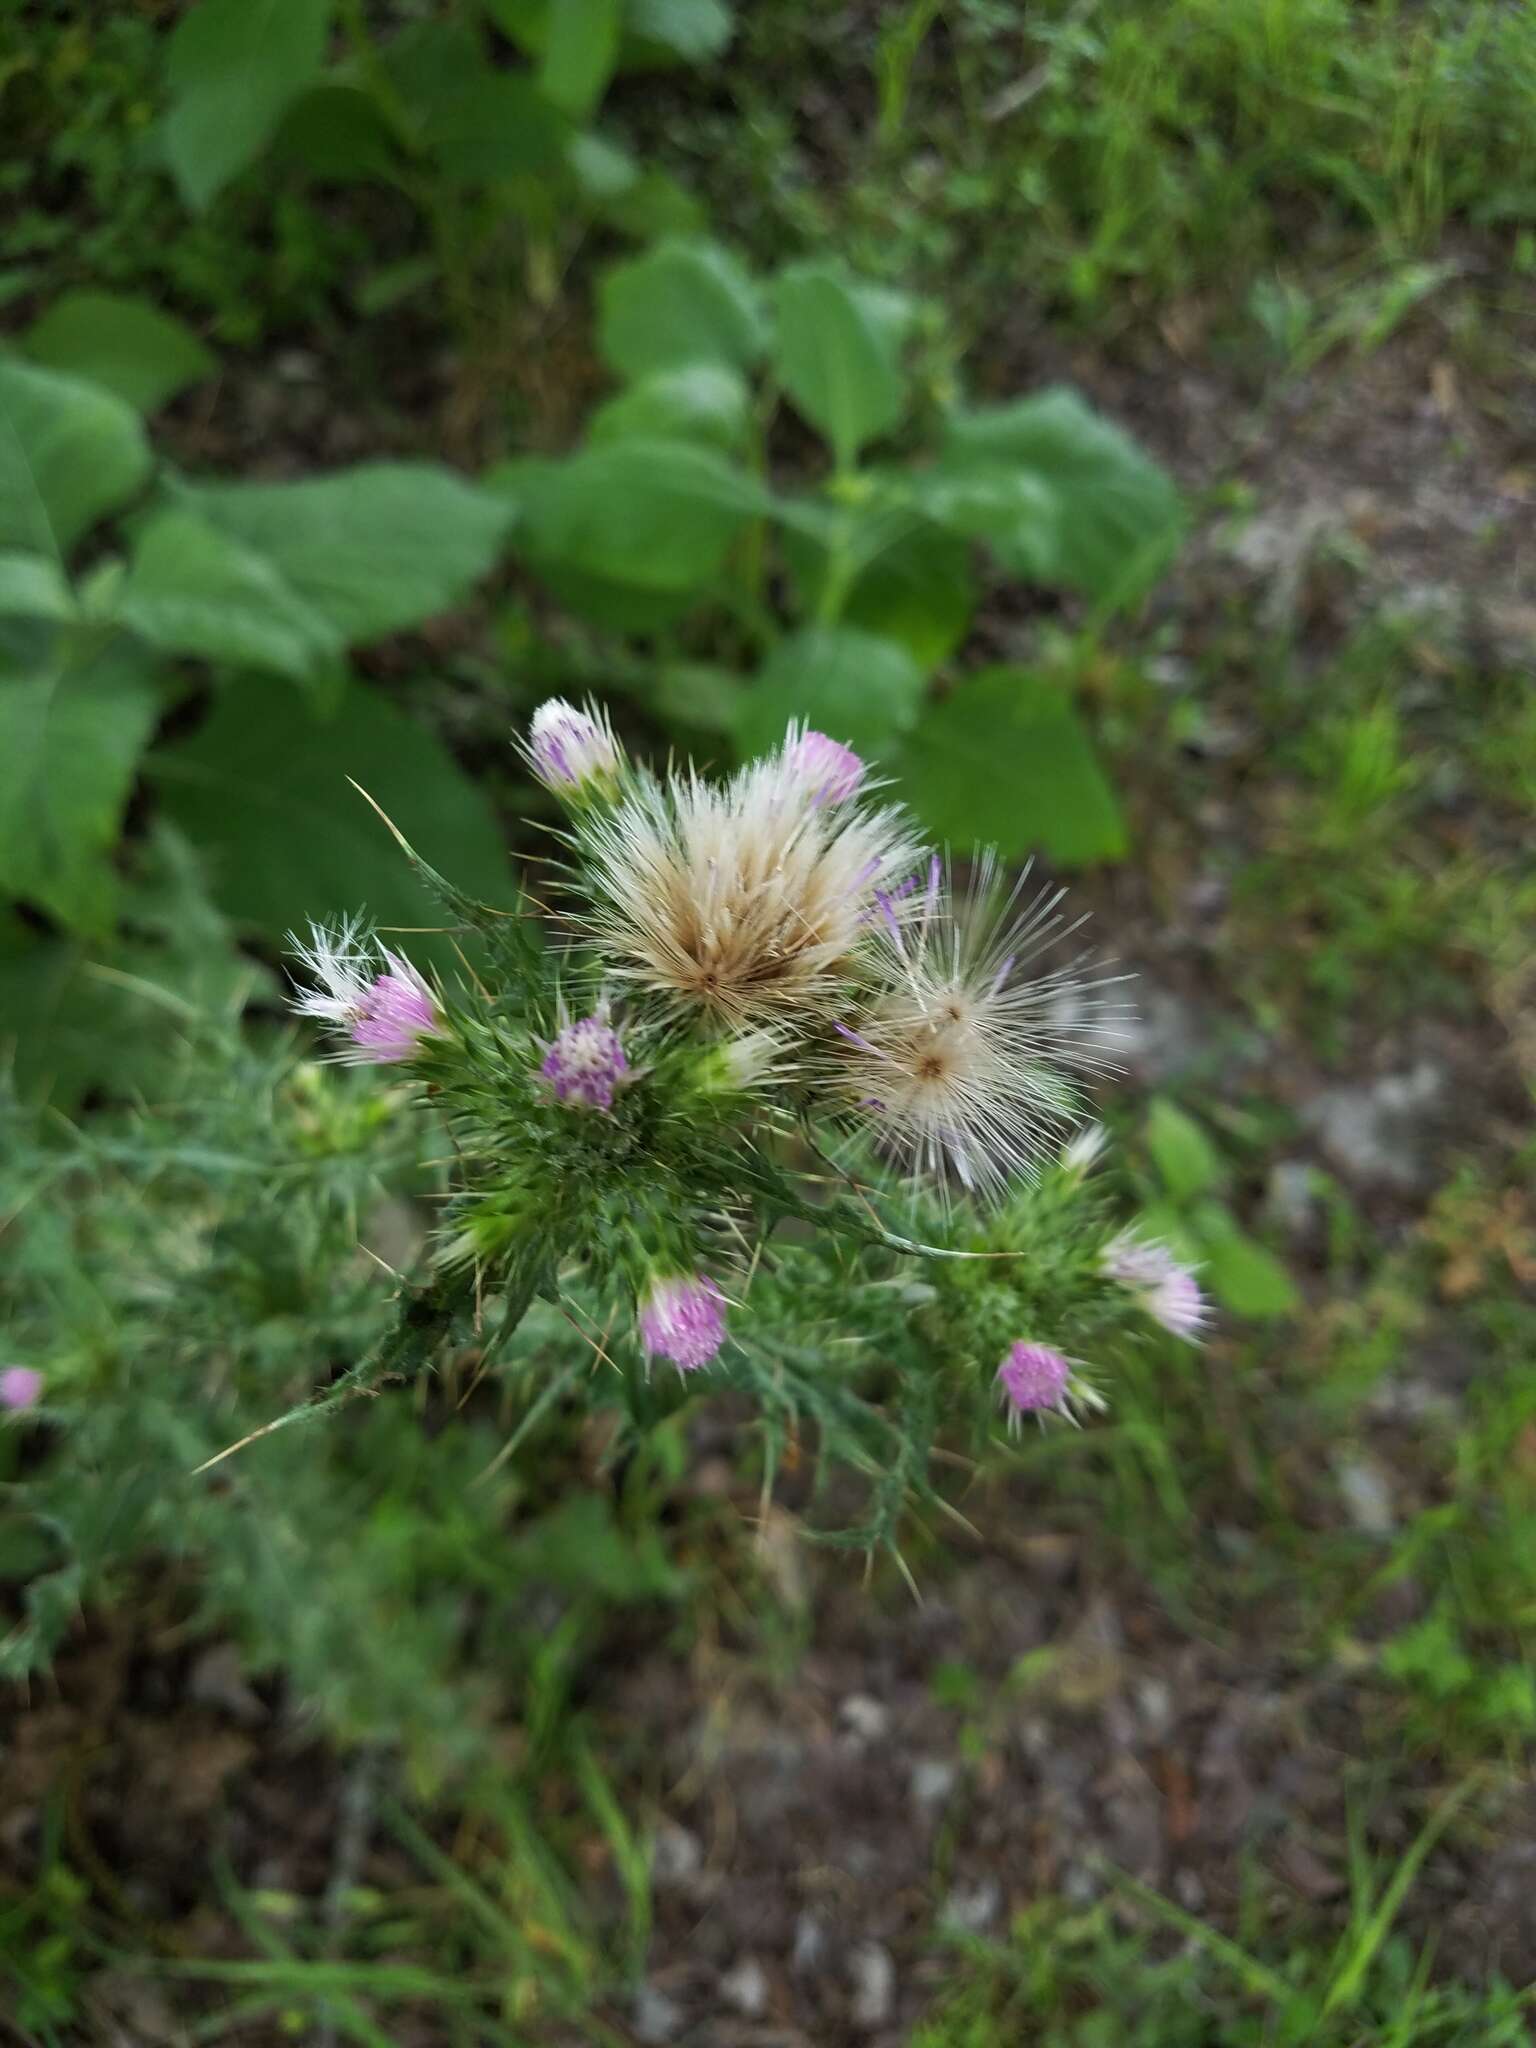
<point x="1242" y="1275"/>
<point x="73" y="723"/>
<point x="693" y="693"/>
<point x="1167" y="1223"/>
<point x="581" y="47"/>
<point x="860" y="689"/>
<point x="899" y="573"/>
<point x="675" y="31"/>
<point x="372" y="549"/>
<point x="34" y="587"/>
<point x="266" y="797"/>
<point x="657" y="515"/>
<point x="1187" y="1162"/>
<point x="618" y="607"/>
<point x="1117" y="515"/>
<point x="681" y="303"/>
<point x="127" y="345"/>
<point x="918" y="590"/>
<point x="69" y="454"/>
<point x="837" y="354"/>
<point x="336" y="130"/>
<point x="502" y="128"/>
<point x="524" y="22"/>
<point x="1004" y="759"/>
<point x="700" y="402"/>
<point x="233" y="67"/>
<point x="602" y="169"/>
<point x="480" y="122"/>
<point x="650" y="206"/>
<point x="194" y="589"/>
<point x="1011" y="512"/>
<point x="430" y="64"/>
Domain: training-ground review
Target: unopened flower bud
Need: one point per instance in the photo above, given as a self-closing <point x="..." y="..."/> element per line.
<point x="1080" y="1152"/>
<point x="573" y="752"/>
<point x="21" y="1386"/>
<point x="736" y="1065"/>
<point x="1166" y="1290"/>
<point x="1032" y="1378"/>
<point x="383" y="1016"/>
<point x="829" y="772"/>
<point x="586" y="1063"/>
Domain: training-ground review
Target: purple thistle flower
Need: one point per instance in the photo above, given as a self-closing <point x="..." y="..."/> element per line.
<point x="1032" y="1378"/>
<point x="831" y="773"/>
<point x="1164" y="1288"/>
<point x="383" y="1015"/>
<point x="683" y="1318"/>
<point x="573" y="752"/>
<point x="396" y="1010"/>
<point x="21" y="1386"/>
<point x="1178" y="1304"/>
<point x="586" y="1063"/>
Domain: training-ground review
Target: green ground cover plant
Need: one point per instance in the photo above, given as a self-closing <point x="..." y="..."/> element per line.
<point x="1147" y="155"/>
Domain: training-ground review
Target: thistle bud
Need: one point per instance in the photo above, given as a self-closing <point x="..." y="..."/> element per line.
<point x="21" y="1386"/>
<point x="1032" y="1378"/>
<point x="586" y="1063"/>
<point x="382" y="1016"/>
<point x="735" y="1066"/>
<point x="682" y="1318"/>
<point x="1079" y="1153"/>
<point x="1164" y="1289"/>
<point x="573" y="752"/>
<point x="828" y="772"/>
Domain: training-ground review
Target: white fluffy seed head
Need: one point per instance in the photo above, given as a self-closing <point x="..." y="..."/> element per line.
<point x="746" y="902"/>
<point x="959" y="1059"/>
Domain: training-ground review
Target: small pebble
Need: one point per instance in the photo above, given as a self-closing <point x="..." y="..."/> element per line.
<point x="1154" y="1702"/>
<point x="810" y="1944"/>
<point x="865" y="1717"/>
<point x="676" y="1855"/>
<point x="971" y="1908"/>
<point x="657" y="2018"/>
<point x="933" y="1779"/>
<point x="1367" y="1495"/>
<point x="745" y="1988"/>
<point x="874" y="1984"/>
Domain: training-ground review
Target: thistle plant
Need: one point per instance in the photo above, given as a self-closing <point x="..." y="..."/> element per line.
<point x="757" y="1099"/>
<point x="760" y="1096"/>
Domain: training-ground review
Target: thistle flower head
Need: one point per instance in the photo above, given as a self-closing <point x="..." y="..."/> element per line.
<point x="1164" y="1288"/>
<point x="1036" y="1379"/>
<point x="1032" y="1377"/>
<point x="831" y="773"/>
<point x="375" y="998"/>
<point x="586" y="1062"/>
<point x="954" y="1059"/>
<point x="745" y="902"/>
<point x="21" y="1386"/>
<point x="1178" y="1304"/>
<point x="683" y="1318"/>
<point x="573" y="752"/>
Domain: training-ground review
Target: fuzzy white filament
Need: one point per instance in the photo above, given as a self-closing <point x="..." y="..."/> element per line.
<point x="953" y="1060"/>
<point x="748" y="901"/>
